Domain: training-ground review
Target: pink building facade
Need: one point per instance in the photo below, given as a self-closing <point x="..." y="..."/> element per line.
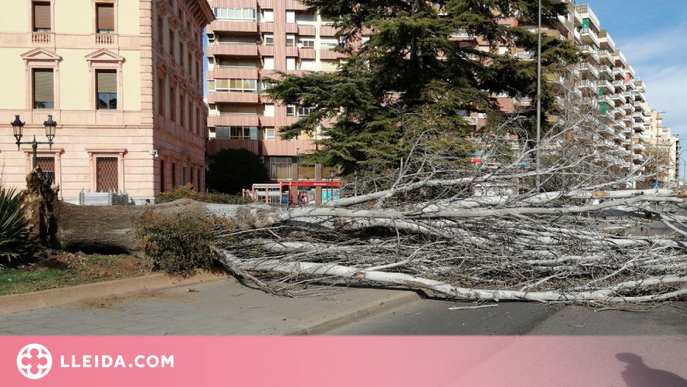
<point x="124" y="81"/>
<point x="250" y="41"/>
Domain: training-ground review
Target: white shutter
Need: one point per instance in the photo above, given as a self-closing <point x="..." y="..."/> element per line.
<point x="268" y="16"/>
<point x="269" y="63"/>
<point x="290" y="16"/>
<point x="290" y="63"/>
<point x="269" y="110"/>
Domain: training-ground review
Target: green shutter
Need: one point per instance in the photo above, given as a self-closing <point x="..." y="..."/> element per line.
<point x="585" y="23"/>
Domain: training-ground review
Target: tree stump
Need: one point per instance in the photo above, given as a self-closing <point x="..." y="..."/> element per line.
<point x="38" y="203"/>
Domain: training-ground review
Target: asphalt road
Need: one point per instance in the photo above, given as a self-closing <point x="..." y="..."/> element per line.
<point x="433" y="317"/>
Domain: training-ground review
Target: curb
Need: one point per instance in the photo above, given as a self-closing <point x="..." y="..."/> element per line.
<point x="62" y="296"/>
<point x="344" y="318"/>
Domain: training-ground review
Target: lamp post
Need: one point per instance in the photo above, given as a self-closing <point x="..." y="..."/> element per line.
<point x="298" y="178"/>
<point x="538" y="155"/>
<point x="656" y="168"/>
<point x="331" y="185"/>
<point x="18" y="129"/>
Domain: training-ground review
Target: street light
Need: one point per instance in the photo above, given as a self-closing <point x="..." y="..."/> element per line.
<point x="656" y="145"/>
<point x="538" y="155"/>
<point x="18" y="130"/>
<point x="331" y="184"/>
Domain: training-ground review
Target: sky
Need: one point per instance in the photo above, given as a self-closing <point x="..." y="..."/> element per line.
<point x="653" y="36"/>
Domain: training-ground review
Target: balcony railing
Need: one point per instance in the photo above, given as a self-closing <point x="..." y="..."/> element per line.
<point x="41" y="37"/>
<point x="105" y="39"/>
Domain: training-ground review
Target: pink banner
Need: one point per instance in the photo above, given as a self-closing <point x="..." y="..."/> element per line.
<point x="343" y="361"/>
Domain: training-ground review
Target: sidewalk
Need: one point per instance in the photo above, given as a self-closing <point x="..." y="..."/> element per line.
<point x="222" y="307"/>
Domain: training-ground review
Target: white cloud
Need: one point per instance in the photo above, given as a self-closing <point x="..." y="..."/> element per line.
<point x="668" y="45"/>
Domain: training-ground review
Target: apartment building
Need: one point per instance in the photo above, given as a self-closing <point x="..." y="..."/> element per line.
<point x="249" y="42"/>
<point x="124" y="81"/>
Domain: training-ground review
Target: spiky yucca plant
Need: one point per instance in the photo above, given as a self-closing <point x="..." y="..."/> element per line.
<point x="14" y="236"/>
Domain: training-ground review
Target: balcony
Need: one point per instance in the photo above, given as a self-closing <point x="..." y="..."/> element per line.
<point x="234" y="119"/>
<point x="638" y="146"/>
<point x="232" y="97"/>
<point x="589" y="85"/>
<point x="328" y="31"/>
<point x="586" y="12"/>
<point x="619" y="85"/>
<point x="525" y="55"/>
<point x="587" y="35"/>
<point x="234" y="26"/>
<point x="233" y="49"/>
<point x="42" y="38"/>
<point x="620" y="57"/>
<point x="233" y="73"/>
<point x="105" y="39"/>
<point x="603" y="54"/>
<point x="586" y="67"/>
<point x="329" y="54"/>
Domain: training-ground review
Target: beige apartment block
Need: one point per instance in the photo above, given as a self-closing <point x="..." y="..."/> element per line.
<point x="124" y="81"/>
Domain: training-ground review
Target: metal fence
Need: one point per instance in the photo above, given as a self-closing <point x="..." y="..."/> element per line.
<point x="110" y="198"/>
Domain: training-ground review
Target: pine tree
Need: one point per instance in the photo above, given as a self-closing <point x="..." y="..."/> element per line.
<point x="412" y="78"/>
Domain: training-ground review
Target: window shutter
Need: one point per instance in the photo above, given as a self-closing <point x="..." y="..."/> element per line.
<point x="107" y="82"/>
<point x="105" y="16"/>
<point x="43" y="89"/>
<point x="41" y="16"/>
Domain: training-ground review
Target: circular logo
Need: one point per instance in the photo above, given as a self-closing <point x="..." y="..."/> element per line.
<point x="34" y="361"/>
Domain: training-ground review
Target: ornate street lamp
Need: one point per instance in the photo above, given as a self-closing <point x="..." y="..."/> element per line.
<point x="18" y="129"/>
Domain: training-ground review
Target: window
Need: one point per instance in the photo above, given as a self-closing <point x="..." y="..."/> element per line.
<point x="236" y="14"/>
<point x="190" y="116"/>
<point x="172" y="104"/>
<point x="160" y="29"/>
<point x="290" y="40"/>
<point x="305" y="110"/>
<point x="290" y="16"/>
<point x="308" y="65"/>
<point x="328" y="43"/>
<point x="269" y="63"/>
<point x="290" y="63"/>
<point x="41" y="17"/>
<point x="291" y="110"/>
<point x="105" y="18"/>
<point x="182" y="108"/>
<point x="47" y="165"/>
<point x="236" y="132"/>
<point x="174" y="175"/>
<point x="269" y="110"/>
<point x="269" y="134"/>
<point x="268" y="16"/>
<point x="106" y="86"/>
<point x="237" y="85"/>
<point x="171" y="42"/>
<point x="162" y="176"/>
<point x="306" y="43"/>
<point x="269" y="40"/>
<point x="43" y="89"/>
<point x="183" y="175"/>
<point x="193" y="187"/>
<point x="107" y="174"/>
<point x="161" y="96"/>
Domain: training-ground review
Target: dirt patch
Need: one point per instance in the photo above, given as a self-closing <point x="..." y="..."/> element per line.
<point x="50" y="269"/>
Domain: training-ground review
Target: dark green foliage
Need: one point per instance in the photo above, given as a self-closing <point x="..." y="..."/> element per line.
<point x="180" y="243"/>
<point x="232" y="170"/>
<point x="412" y="79"/>
<point x="187" y="192"/>
<point x="14" y="235"/>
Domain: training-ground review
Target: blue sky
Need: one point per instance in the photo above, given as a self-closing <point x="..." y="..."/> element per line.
<point x="653" y="36"/>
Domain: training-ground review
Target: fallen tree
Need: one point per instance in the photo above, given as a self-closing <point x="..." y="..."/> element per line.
<point x="483" y="232"/>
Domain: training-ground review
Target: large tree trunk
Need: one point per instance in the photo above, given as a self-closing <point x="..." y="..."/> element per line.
<point x="110" y="230"/>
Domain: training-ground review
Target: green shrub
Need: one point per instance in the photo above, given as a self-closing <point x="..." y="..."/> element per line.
<point x="187" y="192"/>
<point x="14" y="235"/>
<point x="179" y="244"/>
